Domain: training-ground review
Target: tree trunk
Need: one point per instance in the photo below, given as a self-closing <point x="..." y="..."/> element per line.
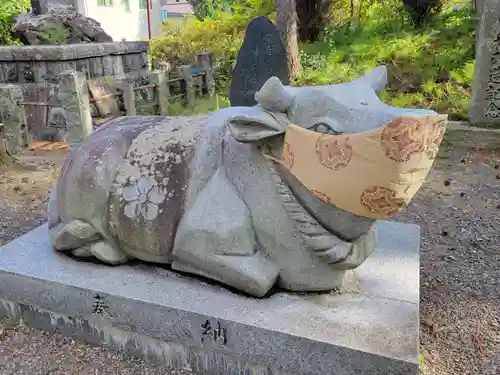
<point x="313" y="16"/>
<point x="286" y="23"/>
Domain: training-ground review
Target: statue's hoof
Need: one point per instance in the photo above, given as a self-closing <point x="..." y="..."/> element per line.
<point x="82" y="252"/>
<point x="73" y="235"/>
<point x="107" y="253"/>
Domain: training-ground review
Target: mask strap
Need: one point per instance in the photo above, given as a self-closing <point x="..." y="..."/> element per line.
<point x="410" y="184"/>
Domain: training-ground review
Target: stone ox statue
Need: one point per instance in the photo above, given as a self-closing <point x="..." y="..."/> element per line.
<point x="197" y="193"/>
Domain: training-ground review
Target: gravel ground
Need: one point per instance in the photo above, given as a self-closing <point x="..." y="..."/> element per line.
<point x="458" y="209"/>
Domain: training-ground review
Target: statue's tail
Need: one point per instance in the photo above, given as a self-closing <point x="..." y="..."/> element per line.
<point x="377" y="78"/>
<point x="53" y="214"/>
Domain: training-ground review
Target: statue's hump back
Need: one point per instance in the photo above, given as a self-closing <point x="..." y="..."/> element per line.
<point x="262" y="56"/>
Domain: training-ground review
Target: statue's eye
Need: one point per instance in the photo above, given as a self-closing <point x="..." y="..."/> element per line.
<point x="324" y="128"/>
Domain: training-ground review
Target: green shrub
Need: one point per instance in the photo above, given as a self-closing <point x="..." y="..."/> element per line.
<point x="208" y="8"/>
<point x="9" y="9"/>
<point x="222" y="35"/>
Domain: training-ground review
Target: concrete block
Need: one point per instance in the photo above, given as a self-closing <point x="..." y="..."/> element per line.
<point x="13" y="118"/>
<point x="371" y="327"/>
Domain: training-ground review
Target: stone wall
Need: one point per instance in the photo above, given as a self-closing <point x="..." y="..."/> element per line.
<point x="37" y="68"/>
<point x="37" y="64"/>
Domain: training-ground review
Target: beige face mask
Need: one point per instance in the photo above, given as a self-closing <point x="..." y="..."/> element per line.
<point x="373" y="174"/>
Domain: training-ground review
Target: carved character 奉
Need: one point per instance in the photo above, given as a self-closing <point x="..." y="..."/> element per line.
<point x="204" y="194"/>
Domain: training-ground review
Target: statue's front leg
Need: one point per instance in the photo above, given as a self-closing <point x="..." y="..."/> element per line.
<point x="84" y="241"/>
<point x="215" y="239"/>
<point x="349" y="255"/>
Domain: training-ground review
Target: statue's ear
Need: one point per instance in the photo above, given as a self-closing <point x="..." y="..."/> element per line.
<point x="254" y="124"/>
<point x="377" y="78"/>
<point x="268" y="118"/>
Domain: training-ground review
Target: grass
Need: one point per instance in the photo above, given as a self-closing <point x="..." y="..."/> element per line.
<point x="428" y="68"/>
<point x="200" y="106"/>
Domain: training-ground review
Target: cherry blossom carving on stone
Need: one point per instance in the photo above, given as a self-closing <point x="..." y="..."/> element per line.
<point x="142" y="197"/>
<point x="334" y="152"/>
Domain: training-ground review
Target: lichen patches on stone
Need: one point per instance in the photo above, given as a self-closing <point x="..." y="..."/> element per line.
<point x="147" y="178"/>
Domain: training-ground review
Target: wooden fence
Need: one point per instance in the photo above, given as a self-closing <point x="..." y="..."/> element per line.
<point x="153" y="94"/>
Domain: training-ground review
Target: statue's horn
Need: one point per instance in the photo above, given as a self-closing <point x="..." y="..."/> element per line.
<point x="377" y="78"/>
<point x="273" y="96"/>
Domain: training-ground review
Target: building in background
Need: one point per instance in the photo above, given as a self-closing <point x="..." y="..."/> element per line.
<point x="176" y="9"/>
<point x="128" y="19"/>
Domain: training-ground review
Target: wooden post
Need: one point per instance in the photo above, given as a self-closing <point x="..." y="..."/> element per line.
<point x="205" y="62"/>
<point x="13" y="118"/>
<point x="148" y="7"/>
<point x="162" y="91"/>
<point x="184" y="72"/>
<point x="74" y="97"/>
<point x="127" y="89"/>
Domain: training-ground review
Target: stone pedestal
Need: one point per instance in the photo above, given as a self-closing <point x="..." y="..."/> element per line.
<point x="74" y="97"/>
<point x="371" y="327"/>
<point x="485" y="104"/>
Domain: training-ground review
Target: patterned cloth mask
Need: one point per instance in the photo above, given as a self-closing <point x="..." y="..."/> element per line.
<point x="374" y="173"/>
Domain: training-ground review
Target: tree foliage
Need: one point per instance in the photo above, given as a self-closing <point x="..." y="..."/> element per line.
<point x="209" y="8"/>
<point x="9" y="9"/>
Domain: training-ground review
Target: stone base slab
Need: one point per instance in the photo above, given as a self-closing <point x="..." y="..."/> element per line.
<point x="461" y="134"/>
<point x="183" y="322"/>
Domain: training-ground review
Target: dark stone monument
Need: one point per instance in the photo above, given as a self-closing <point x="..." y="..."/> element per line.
<point x="39" y="7"/>
<point x="261" y="56"/>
